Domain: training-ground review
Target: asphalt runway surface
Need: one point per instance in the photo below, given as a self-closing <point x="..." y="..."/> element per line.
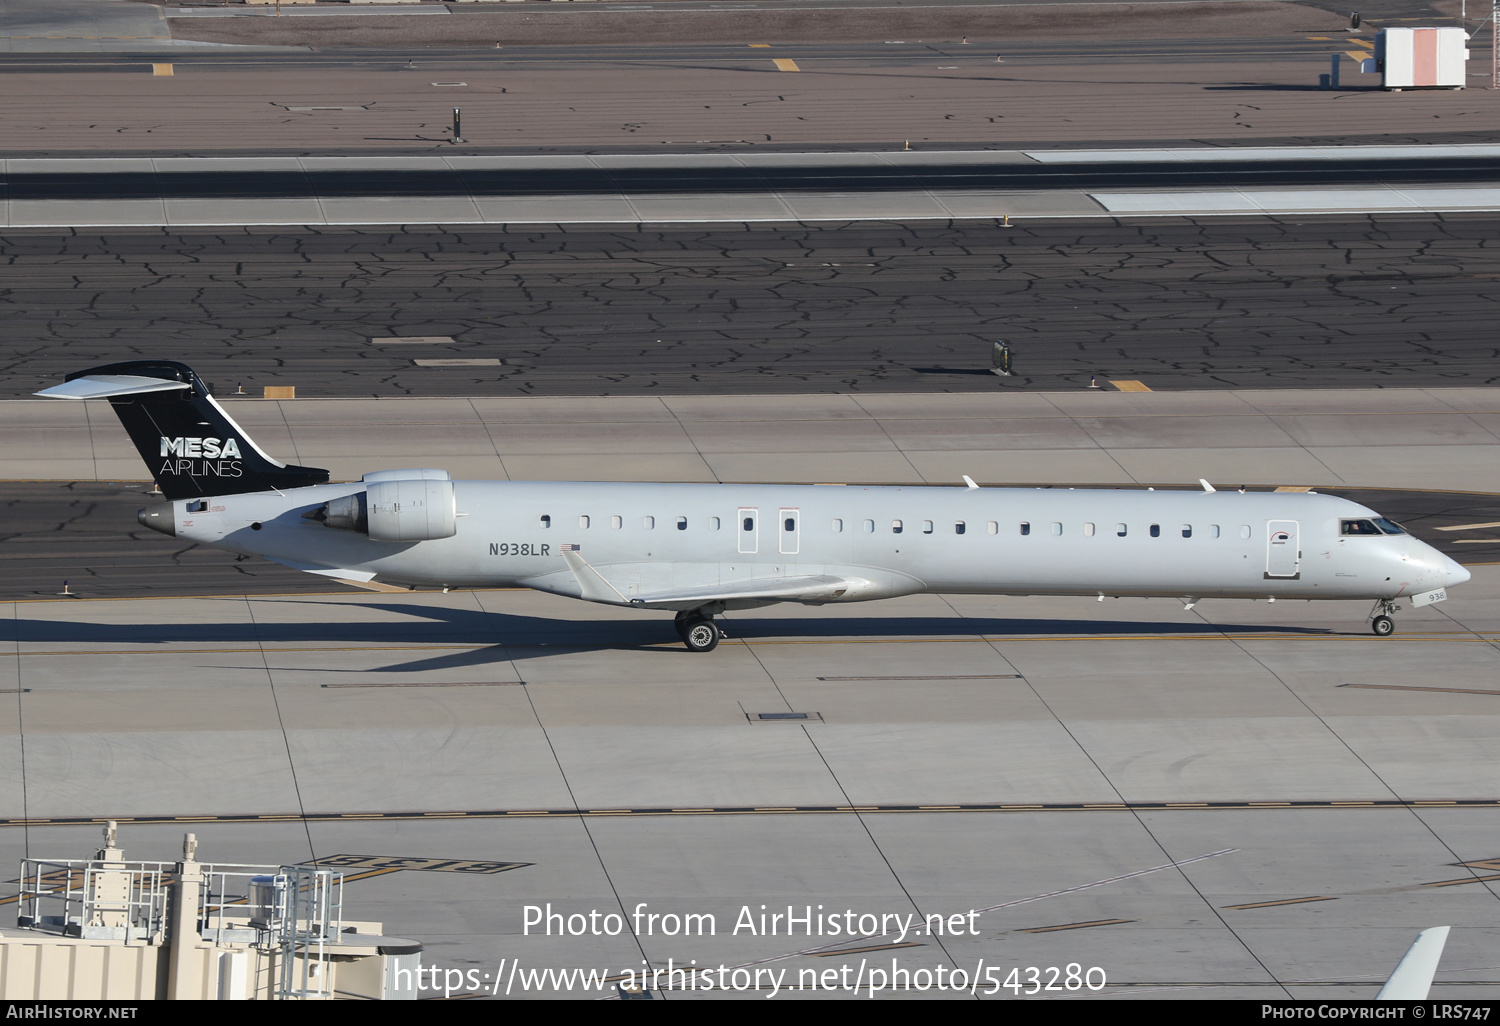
<point x="1333" y="301"/>
<point x="770" y="24"/>
<point x="937" y="176"/>
<point x="85" y="534"/>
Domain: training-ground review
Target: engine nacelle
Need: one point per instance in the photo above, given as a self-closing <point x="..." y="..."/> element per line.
<point x="396" y="511"/>
<point x="401" y="511"/>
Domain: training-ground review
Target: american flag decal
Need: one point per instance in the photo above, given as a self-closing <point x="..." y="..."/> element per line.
<point x="568" y="548"/>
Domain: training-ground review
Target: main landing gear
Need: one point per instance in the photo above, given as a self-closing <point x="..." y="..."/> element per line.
<point x="1380" y="618"/>
<point x="698" y="631"/>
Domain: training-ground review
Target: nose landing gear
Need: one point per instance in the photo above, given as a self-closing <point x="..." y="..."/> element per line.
<point x="1381" y="623"/>
<point x="697" y="631"/>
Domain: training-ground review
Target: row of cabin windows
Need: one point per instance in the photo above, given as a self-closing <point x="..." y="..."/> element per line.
<point x="1123" y="530"/>
<point x="789" y="524"/>
<point x="649" y="523"/>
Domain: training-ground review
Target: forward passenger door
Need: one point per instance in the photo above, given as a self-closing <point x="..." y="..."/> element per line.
<point x="1283" y="556"/>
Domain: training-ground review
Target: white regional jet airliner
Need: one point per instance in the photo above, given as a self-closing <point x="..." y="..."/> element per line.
<point x="699" y="549"/>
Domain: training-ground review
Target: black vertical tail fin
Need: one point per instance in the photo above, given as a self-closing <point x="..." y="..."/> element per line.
<point x="189" y="441"/>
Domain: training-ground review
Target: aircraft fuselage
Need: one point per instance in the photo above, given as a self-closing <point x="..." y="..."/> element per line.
<point x="646" y="539"/>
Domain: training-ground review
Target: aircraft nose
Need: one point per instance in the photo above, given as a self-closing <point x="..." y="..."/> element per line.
<point x="1457" y="573"/>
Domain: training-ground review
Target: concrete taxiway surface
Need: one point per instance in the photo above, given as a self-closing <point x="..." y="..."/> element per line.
<point x="1396" y="438"/>
<point x="954" y="754"/>
<point x="1347" y="774"/>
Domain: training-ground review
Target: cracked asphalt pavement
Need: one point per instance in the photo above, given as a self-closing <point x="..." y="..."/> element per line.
<point x="1331" y="301"/>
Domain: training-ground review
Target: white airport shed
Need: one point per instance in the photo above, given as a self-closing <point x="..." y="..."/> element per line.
<point x="1420" y="58"/>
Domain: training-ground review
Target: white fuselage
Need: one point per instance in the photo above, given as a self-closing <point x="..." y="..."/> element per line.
<point x="651" y="539"/>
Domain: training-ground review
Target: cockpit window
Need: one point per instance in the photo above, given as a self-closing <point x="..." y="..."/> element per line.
<point x="1348" y="527"/>
<point x="1389" y="526"/>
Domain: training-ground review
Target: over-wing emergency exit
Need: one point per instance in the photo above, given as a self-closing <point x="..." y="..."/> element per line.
<point x="700" y="549"/>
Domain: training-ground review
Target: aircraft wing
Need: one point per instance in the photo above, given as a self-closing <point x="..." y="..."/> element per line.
<point x="772" y="589"/>
<point x="1413" y="976"/>
<point x="596" y="587"/>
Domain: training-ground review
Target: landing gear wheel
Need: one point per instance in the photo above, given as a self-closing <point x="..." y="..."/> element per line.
<point x="700" y="635"/>
<point x="1383" y="626"/>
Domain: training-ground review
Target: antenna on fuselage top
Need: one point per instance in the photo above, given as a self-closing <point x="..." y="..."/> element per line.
<point x="1206" y="486"/>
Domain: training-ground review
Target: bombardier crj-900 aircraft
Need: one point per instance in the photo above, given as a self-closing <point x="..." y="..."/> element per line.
<point x="700" y="549"/>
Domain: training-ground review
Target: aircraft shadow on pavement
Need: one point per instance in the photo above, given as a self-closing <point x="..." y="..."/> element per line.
<point x="505" y="637"/>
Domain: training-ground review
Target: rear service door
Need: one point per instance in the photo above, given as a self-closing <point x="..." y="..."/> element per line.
<point x="1283" y="558"/>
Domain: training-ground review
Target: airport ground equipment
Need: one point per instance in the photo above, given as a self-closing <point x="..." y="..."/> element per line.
<point x="1420" y="58"/>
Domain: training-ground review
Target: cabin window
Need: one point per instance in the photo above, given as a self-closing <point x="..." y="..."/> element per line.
<point x="958" y="528"/>
<point x="583" y="522"/>
<point x="1057" y="529"/>
<point x="1213" y="530"/>
<point x="993" y="527"/>
<point x="1245" y="531"/>
<point x="1187" y="530"/>
<point x="927" y="527"/>
<point x="1088" y="530"/>
<point x="1156" y="530"/>
<point x="682" y="523"/>
<point x="616" y="522"/>
<point x="649" y="523"/>
<point x="837" y="525"/>
<point x="1120" y="530"/>
<point x="1025" y="528"/>
<point x="748" y="524"/>
<point x="869" y="527"/>
<point x="546" y="521"/>
<point x="713" y="523"/>
<point x="789" y="524"/>
<point x="895" y="527"/>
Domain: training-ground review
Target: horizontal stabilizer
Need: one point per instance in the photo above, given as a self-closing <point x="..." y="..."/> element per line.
<point x="103" y="386"/>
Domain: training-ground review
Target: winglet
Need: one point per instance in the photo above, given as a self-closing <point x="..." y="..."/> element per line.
<point x="969" y="481"/>
<point x="1206" y="486"/>
<point x="1412" y="978"/>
